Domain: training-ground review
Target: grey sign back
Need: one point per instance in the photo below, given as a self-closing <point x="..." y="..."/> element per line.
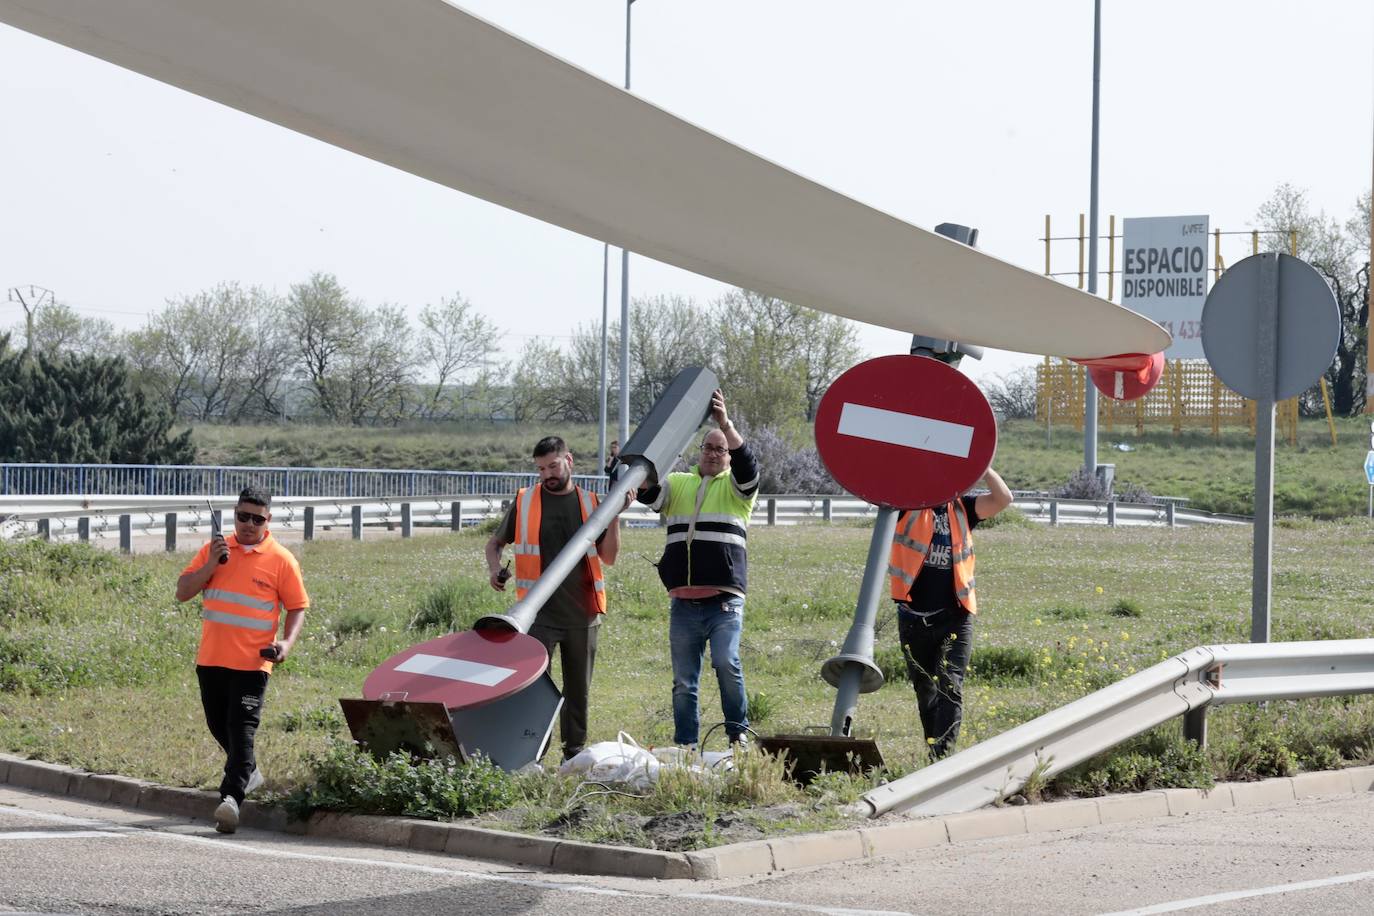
<point x="1270" y="327"/>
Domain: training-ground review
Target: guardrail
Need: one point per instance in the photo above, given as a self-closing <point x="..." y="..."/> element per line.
<point x="1185" y="685"/>
<point x="87" y="518"/>
<point x="174" y="480"/>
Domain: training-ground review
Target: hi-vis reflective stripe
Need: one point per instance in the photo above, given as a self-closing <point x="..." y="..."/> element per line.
<point x="228" y="597"/>
<point x="237" y="620"/>
<point x="529" y="549"/>
<point x="524" y="583"/>
<point x="526" y="502"/>
<point x="900" y="574"/>
<point x="918" y="546"/>
<point x="455" y="669"/>
<point x="723" y="537"/>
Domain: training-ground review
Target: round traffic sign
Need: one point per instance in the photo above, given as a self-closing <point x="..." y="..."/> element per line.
<point x="905" y="432"/>
<point x="1300" y="345"/>
<point x="460" y="670"/>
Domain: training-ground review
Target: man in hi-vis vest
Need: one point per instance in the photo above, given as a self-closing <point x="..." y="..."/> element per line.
<point x="245" y="581"/>
<point x="540" y="522"/>
<point x="705" y="569"/>
<point x="931" y="573"/>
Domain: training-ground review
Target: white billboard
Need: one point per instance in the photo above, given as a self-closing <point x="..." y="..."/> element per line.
<point x="1164" y="277"/>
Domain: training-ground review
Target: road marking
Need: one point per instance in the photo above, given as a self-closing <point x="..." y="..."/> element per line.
<point x="455" y="669"/>
<point x="1211" y="899"/>
<point x="905" y="429"/>
<point x="56" y="834"/>
<point x="225" y="844"/>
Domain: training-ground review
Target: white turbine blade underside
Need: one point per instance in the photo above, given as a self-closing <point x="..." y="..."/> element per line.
<point x="430" y="89"/>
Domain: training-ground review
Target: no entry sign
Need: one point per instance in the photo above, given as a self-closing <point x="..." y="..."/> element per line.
<point x="460" y="670"/>
<point x="905" y="432"/>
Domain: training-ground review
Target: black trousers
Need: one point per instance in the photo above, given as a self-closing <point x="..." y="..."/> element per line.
<point x="937" y="646"/>
<point x="577" y="655"/>
<point x="233" y="708"/>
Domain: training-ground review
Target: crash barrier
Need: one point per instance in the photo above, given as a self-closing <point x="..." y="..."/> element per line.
<point x="89" y="518"/>
<point x="1186" y="685"/>
<point x="173" y="480"/>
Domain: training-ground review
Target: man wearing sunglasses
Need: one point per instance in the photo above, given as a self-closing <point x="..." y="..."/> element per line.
<point x="245" y="581"/>
<point x="705" y="567"/>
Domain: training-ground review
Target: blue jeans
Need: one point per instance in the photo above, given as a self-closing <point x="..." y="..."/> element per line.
<point x="694" y="622"/>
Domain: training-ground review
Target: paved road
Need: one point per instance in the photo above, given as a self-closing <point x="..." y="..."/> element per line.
<point x="63" y="856"/>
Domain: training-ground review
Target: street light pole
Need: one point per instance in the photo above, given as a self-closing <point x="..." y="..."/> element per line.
<point x="605" y="313"/>
<point x="625" y="282"/>
<point x="1089" y="389"/>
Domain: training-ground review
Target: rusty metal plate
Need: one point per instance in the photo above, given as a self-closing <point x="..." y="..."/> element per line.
<point x="422" y="730"/>
<point x="811" y="755"/>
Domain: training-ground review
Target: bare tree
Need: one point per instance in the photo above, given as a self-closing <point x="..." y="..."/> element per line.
<point x="1012" y="396"/>
<point x="1340" y="253"/>
<point x="325" y="327"/>
<point x="454" y="341"/>
<point x="57" y="328"/>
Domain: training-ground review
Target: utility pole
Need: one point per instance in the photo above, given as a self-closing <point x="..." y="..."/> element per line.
<point x="30" y="298"/>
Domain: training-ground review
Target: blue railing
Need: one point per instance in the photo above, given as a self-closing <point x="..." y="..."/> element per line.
<point x="206" y="480"/>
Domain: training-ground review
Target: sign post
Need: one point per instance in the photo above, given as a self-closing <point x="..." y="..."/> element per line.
<point x="1270" y="329"/>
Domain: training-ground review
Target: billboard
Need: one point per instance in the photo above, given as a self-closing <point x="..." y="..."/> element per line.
<point x="1164" y="277"/>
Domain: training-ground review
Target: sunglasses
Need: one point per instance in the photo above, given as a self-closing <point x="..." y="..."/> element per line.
<point x="245" y="517"/>
<point x="714" y="449"/>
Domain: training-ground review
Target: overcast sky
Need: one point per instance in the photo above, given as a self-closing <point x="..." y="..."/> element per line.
<point x="118" y="192"/>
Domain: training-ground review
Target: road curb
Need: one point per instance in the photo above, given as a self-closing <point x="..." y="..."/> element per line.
<point x="737" y="860"/>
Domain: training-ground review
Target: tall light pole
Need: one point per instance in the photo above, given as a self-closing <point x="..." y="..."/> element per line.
<point x="1089" y="389"/>
<point x="624" y="309"/>
<point x="625" y="282"/>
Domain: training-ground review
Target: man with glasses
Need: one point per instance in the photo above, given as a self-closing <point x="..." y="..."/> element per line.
<point x="245" y="581"/>
<point x="705" y="567"/>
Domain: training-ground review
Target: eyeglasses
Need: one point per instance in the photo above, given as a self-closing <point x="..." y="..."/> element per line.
<point x="245" y="517"/>
<point x="714" y="449"/>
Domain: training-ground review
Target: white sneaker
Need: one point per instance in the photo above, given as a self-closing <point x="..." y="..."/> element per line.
<point x="227" y="815"/>
<point x="255" y="781"/>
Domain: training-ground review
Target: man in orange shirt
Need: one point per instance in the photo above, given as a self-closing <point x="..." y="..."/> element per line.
<point x="245" y="581"/>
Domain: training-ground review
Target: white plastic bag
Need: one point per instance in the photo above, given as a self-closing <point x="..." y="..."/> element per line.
<point x="619" y="761"/>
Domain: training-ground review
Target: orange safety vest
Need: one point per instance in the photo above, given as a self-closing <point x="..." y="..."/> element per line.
<point x="243" y="601"/>
<point x="528" y="564"/>
<point x="911" y="543"/>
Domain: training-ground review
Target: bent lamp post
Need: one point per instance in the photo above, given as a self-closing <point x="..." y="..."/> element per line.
<point x="644" y="460"/>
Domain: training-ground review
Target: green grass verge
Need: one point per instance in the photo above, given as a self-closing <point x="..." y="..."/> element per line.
<point x="96" y="664"/>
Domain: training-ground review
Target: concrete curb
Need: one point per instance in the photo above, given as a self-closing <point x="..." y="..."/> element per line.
<point x="734" y="861"/>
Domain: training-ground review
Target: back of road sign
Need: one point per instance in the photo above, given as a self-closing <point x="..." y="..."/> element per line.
<point x="1304" y="338"/>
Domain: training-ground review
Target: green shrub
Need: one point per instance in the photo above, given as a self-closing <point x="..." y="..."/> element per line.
<point x="456" y="604"/>
<point x="761" y="706"/>
<point x="1155" y="760"/>
<point x="1004" y="664"/>
<point x="349" y="779"/>
<point x="1010" y="517"/>
<point x="317" y="718"/>
<point x="1127" y="608"/>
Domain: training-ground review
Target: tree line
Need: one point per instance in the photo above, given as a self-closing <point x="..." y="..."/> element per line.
<point x="235" y="354"/>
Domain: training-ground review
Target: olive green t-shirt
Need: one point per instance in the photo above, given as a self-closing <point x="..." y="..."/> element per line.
<point x="572" y="606"/>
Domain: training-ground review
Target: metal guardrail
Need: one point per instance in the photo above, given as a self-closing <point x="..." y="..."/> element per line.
<point x="1185" y="685"/>
<point x="86" y="518"/>
<point x="228" y="480"/>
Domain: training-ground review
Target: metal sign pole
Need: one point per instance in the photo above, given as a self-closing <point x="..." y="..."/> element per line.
<point x="1266" y="380"/>
<point x="853" y="671"/>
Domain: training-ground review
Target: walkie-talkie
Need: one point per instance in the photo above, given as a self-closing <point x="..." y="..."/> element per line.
<point x="214" y="530"/>
<point x="504" y="573"/>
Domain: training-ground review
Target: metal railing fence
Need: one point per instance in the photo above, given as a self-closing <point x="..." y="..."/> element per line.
<point x="228" y="480"/>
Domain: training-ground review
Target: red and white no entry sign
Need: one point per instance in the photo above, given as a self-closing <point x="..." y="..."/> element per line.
<point x="905" y="432"/>
<point x="459" y="670"/>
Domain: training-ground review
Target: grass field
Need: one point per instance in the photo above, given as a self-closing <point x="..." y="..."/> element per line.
<point x="1312" y="478"/>
<point x="96" y="656"/>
